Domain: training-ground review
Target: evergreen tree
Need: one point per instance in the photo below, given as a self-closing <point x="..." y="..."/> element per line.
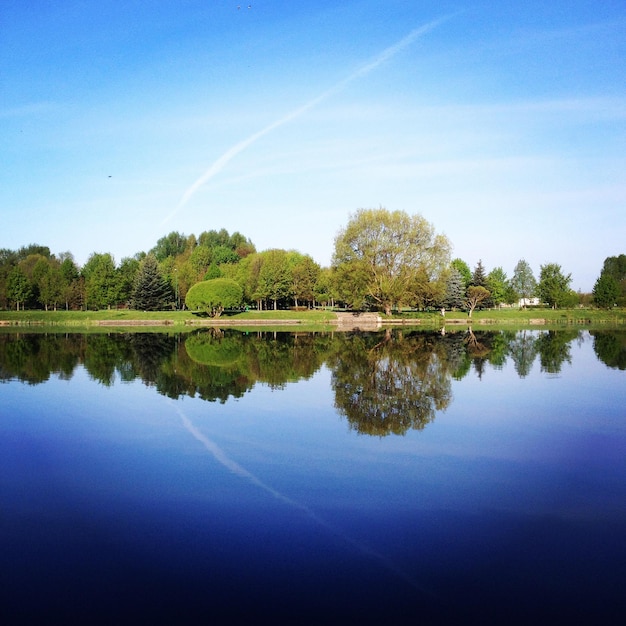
<point x="152" y="292"/>
<point x="463" y="268"/>
<point x="606" y="291"/>
<point x="479" y="277"/>
<point x="455" y="290"/>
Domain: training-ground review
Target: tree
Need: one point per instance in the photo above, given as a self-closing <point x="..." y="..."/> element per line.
<point x="615" y="266"/>
<point x="553" y="287"/>
<point x="275" y="276"/>
<point x="498" y="285"/>
<point x="475" y="295"/>
<point x="172" y="245"/>
<point x="127" y="278"/>
<point x="463" y="268"/>
<point x="479" y="279"/>
<point x="151" y="292"/>
<point x="70" y="281"/>
<point x="389" y="257"/>
<point x="18" y="287"/>
<point x="606" y="291"/>
<point x="304" y="274"/>
<point x="523" y="282"/>
<point x="101" y="281"/>
<point x="214" y="296"/>
<point x="455" y="290"/>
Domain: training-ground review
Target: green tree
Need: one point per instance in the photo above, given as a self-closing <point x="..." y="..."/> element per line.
<point x="101" y="281"/>
<point x="304" y="274"/>
<point x="152" y="292"/>
<point x="127" y="277"/>
<point x="553" y="287"/>
<point x="523" y="282"/>
<point x="498" y="285"/>
<point x="390" y="257"/>
<point x="455" y="290"/>
<point x="214" y="296"/>
<point x="50" y="283"/>
<point x="323" y="290"/>
<point x="171" y="245"/>
<point x="475" y="295"/>
<point x="19" y="289"/>
<point x="479" y="279"/>
<point x="606" y="291"/>
<point x="70" y="281"/>
<point x="275" y="281"/>
<point x="615" y="266"/>
<point x="463" y="268"/>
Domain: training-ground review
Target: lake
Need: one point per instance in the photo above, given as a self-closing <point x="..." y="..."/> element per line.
<point x="225" y="477"/>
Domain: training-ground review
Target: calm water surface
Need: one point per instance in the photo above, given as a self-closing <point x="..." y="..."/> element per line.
<point x="394" y="477"/>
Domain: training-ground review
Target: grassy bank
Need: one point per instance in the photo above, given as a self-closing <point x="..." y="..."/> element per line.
<point x="308" y="319"/>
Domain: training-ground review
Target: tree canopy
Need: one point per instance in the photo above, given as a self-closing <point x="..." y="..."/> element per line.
<point x="390" y="258"/>
<point x="214" y="296"/>
<point x="151" y="291"/>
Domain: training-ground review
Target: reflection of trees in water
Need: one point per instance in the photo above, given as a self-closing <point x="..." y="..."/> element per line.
<point x="31" y="358"/>
<point x="390" y="385"/>
<point x="554" y="349"/>
<point x="610" y="348"/>
<point x="384" y="382"/>
<point x="523" y="351"/>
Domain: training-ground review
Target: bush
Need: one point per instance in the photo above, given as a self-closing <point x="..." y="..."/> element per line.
<point x="214" y="296"/>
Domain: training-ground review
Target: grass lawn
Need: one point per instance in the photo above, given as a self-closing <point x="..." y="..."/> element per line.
<point x="314" y="318"/>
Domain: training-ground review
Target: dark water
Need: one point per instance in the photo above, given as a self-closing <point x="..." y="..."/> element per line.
<point x="384" y="478"/>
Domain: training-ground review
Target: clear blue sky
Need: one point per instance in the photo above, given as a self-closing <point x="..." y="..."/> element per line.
<point x="502" y="123"/>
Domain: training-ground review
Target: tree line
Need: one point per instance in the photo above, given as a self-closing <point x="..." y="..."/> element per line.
<point x="382" y="261"/>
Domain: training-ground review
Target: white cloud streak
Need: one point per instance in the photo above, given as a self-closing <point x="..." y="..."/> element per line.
<point x="221" y="457"/>
<point x="365" y="69"/>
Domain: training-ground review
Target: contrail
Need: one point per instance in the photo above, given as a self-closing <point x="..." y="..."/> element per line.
<point x="221" y="457"/>
<point x="231" y="153"/>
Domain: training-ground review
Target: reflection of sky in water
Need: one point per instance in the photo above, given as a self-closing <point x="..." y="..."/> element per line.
<point x="517" y="490"/>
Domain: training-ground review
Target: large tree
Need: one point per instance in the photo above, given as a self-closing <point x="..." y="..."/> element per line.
<point x="152" y="292"/>
<point x="523" y="282"/>
<point x="606" y="291"/>
<point x="275" y="280"/>
<point x="455" y="290"/>
<point x="102" y="287"/>
<point x="553" y="287"/>
<point x="391" y="258"/>
<point x="19" y="289"/>
<point x="499" y="287"/>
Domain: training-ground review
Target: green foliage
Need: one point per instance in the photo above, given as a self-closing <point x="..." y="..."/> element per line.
<point x="463" y="268"/>
<point x="498" y="285"/>
<point x="613" y="274"/>
<point x="455" y="290"/>
<point x="214" y="296"/>
<point x="304" y="274"/>
<point x="275" y="277"/>
<point x="523" y="281"/>
<point x="474" y="296"/>
<point x="151" y="291"/>
<point x="101" y="281"/>
<point x="553" y="287"/>
<point x="19" y="288"/>
<point x="606" y="291"/>
<point x="171" y="245"/>
<point x="389" y="257"/>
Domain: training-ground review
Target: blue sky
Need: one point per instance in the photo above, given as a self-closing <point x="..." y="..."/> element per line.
<point x="504" y="126"/>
